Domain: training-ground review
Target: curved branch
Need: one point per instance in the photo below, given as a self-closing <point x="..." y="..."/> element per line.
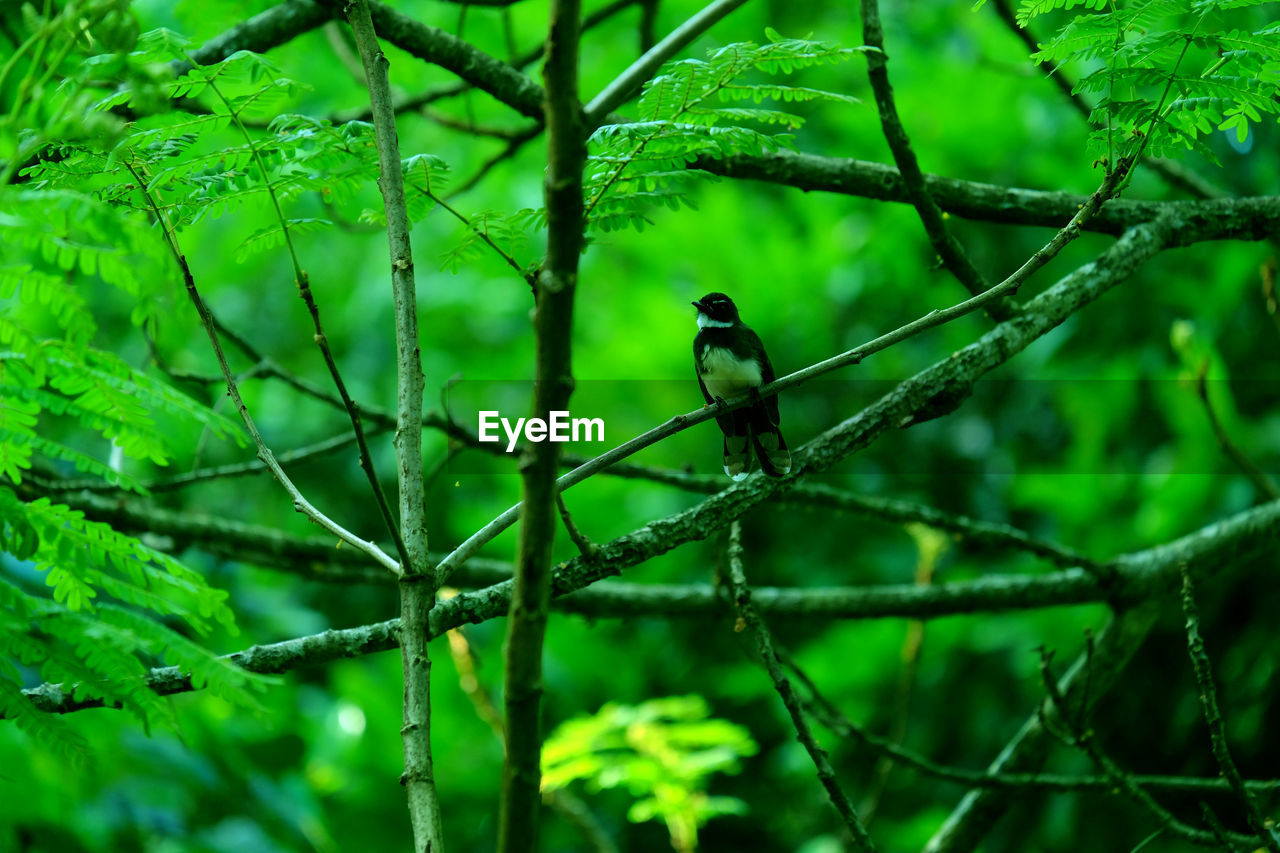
<point x="451" y="53"/>
<point x="1213" y="718"/>
<point x="300" y="502"/>
<point x="292" y="18"/>
<point x="272" y="28"/>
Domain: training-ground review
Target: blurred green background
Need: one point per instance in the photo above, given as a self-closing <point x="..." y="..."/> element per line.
<point x="1093" y="437"/>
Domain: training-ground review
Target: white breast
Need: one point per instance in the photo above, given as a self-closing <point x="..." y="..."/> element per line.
<point x="726" y="376"/>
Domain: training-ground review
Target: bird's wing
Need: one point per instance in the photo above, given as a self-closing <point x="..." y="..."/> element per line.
<point x="767" y="375"/>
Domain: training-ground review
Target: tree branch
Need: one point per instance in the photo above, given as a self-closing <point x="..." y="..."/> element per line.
<point x="300" y="503"/>
<point x="830" y="717"/>
<point x="417" y="579"/>
<point x="953" y="380"/>
<point x="944" y="243"/>
<point x="1076" y="734"/>
<point x="1263" y="484"/>
<point x="1140" y="576"/>
<point x="1256" y="218"/>
<point x="521" y="803"/>
<point x="748" y="618"/>
<point x="451" y="53"/>
<point x="1213" y="717"/>
<point x="965" y="828"/>
<point x="626" y="84"/>
<point x="272" y="28"/>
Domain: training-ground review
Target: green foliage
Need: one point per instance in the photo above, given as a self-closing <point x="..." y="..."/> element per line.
<point x="663" y="751"/>
<point x="689" y="110"/>
<point x="98" y="648"/>
<point x="79" y="220"/>
<point x="1148" y="94"/>
<point x="686" y="112"/>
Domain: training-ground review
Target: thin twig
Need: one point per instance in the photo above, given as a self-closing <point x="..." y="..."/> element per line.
<point x="527" y="275"/>
<point x="830" y="717"/>
<point x="943" y="241"/>
<point x="1261" y="482"/>
<point x="626" y="84"/>
<point x="1072" y="730"/>
<point x="509" y="150"/>
<point x="749" y="619"/>
<point x="1146" y="842"/>
<point x="1218" y="830"/>
<point x="295" y="456"/>
<point x="970" y="822"/>
<point x="303" y="282"/>
<point x="473" y="128"/>
<point x="584" y="545"/>
<point x="1213" y="716"/>
<point x="264" y="452"/>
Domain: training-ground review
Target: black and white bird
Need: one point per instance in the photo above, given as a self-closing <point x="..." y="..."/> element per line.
<point x="730" y="361"/>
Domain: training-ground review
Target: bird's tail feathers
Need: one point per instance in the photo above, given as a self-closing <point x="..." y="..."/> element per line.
<point x="771" y="450"/>
<point x="737" y="457"/>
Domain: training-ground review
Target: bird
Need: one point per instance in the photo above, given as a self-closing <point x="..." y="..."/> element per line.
<point x="730" y="360"/>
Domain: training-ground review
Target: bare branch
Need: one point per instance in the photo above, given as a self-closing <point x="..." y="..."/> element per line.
<point x="943" y="241"/>
<point x="965" y="828"/>
<point x="580" y="540"/>
<point x="417" y="579"/>
<point x="453" y="54"/>
<point x="1256" y="218"/>
<point x="748" y="618"/>
<point x="1078" y="735"/>
<point x="1261" y="482"/>
<point x="1140" y="576"/>
<point x="525" y="59"/>
<point x="830" y="717"/>
<point x="272" y="28"/>
<point x="1213" y="717"/>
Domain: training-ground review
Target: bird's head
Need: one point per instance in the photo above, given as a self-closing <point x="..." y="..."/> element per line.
<point x="716" y="309"/>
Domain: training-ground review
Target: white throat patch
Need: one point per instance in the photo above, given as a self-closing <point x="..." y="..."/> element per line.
<point x="705" y="322"/>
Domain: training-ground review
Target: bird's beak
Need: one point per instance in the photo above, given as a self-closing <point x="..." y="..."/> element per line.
<point x="699" y="306"/>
